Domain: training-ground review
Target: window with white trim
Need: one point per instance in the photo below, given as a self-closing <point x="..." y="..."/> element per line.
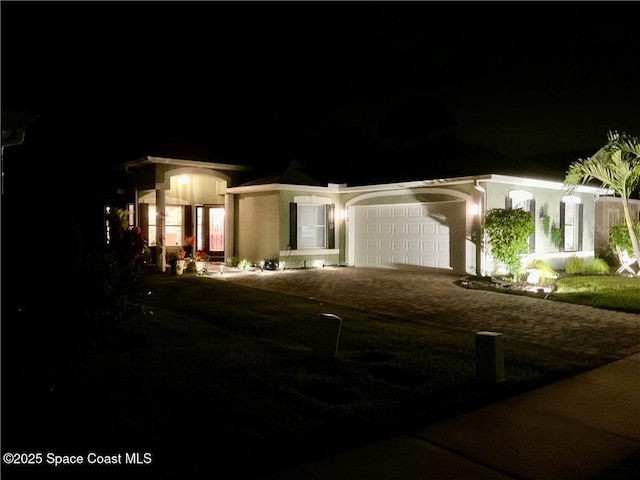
<point x="312" y="225"/>
<point x="571" y="223"/>
<point x="173" y="235"/>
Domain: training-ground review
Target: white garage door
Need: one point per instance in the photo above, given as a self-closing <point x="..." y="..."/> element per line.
<point x="406" y="234"/>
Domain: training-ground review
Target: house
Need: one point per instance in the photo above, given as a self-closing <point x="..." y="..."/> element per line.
<point x="193" y="195"/>
<point x="292" y="220"/>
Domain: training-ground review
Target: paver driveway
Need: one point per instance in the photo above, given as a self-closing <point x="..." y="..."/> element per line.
<point x="433" y="297"/>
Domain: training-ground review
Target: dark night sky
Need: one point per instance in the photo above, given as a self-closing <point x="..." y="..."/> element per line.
<point x="424" y="85"/>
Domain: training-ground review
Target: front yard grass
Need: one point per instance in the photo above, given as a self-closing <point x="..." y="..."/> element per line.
<point x="612" y="292"/>
<point x="219" y="380"/>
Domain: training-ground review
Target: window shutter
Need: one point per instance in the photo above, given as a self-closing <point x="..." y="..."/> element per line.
<point x="580" y="210"/>
<point x="532" y="238"/>
<point x="293" y="226"/>
<point x="508" y="202"/>
<point x="331" y="226"/>
<point x="562" y="222"/>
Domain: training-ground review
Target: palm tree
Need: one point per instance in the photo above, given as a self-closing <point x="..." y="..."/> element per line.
<point x="617" y="167"/>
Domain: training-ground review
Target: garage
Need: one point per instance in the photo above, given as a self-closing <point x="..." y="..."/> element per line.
<point x="414" y="234"/>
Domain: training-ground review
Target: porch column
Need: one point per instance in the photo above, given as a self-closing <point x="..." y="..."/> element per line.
<point x="478" y="229"/>
<point x="160" y="223"/>
<point x="479" y="236"/>
<point x="229" y="216"/>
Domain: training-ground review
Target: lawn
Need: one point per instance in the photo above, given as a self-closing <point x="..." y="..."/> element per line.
<point x="217" y="380"/>
<point x="612" y="292"/>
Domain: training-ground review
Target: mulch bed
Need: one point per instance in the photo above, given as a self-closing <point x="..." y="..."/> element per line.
<point x="498" y="285"/>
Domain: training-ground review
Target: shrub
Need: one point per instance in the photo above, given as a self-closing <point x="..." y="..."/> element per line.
<point x="619" y="236"/>
<point x="598" y="267"/>
<point x="509" y="230"/>
<point x="575" y="266"/>
<point x="547" y="274"/>
<point x="233" y="261"/>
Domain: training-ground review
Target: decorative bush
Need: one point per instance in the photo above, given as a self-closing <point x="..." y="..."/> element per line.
<point x="547" y="274"/>
<point x="509" y="230"/>
<point x="619" y="236"/>
<point x="575" y="266"/>
<point x="233" y="261"/>
<point x="127" y="242"/>
<point x="598" y="267"/>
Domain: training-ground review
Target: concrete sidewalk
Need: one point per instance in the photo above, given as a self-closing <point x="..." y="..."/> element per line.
<point x="571" y="429"/>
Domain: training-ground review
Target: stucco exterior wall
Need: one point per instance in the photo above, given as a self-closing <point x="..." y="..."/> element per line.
<point x="201" y="189"/>
<point x="257" y="226"/>
<point x="547" y="201"/>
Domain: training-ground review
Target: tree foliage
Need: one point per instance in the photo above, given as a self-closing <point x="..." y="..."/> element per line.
<point x="617" y="167"/>
<point x="127" y="242"/>
<point x="509" y="230"/>
<point x="619" y="236"/>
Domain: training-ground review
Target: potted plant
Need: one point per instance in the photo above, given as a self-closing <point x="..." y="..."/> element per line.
<point x="201" y="262"/>
<point x="180" y="262"/>
<point x="177" y="262"/>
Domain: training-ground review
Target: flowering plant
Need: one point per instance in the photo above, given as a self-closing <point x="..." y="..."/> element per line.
<point x="200" y="256"/>
<point x="181" y="255"/>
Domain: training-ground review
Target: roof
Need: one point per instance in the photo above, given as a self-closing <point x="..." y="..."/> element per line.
<point x="186" y="163"/>
<point x="295" y="174"/>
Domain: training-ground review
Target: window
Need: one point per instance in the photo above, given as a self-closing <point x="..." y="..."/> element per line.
<point x="172" y="227"/>
<point x="312" y="226"/>
<point x="571" y="223"/>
